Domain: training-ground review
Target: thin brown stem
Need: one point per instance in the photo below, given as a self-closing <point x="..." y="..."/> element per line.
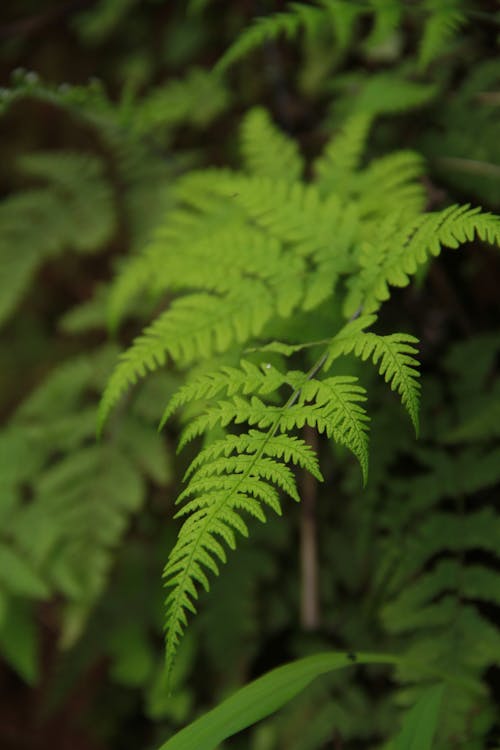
<point x="309" y="591"/>
<point x="309" y="605"/>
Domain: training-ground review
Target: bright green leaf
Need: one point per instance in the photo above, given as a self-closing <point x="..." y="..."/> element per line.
<point x="263" y="697"/>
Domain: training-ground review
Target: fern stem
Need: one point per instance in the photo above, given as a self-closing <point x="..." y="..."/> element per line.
<point x="309" y="608"/>
<point x="317" y="366"/>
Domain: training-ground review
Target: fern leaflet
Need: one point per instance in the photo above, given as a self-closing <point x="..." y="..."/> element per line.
<point x="397" y="252"/>
<point x="281" y="159"/>
<point x="394" y="355"/>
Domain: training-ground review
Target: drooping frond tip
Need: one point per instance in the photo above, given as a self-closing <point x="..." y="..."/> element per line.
<point x="244" y="474"/>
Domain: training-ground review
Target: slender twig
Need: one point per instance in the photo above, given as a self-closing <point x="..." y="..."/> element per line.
<point x="309" y="606"/>
<point x="310" y="613"/>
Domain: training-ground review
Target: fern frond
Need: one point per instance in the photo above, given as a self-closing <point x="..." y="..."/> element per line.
<point x="59" y="394"/>
<point x="216" y="263"/>
<point x="19" y="577"/>
<point x="449" y="532"/>
<point x="198" y="98"/>
<point x="242" y="473"/>
<point x="292" y="213"/>
<point x="406" y="611"/>
<point x="438" y="609"/>
<point x="341" y="157"/>
<point x="194" y="324"/>
<point x="445" y="18"/>
<point x="19" y="254"/>
<point x="390" y="93"/>
<point x="87" y="316"/>
<point x="331" y="406"/>
<point x="399" y="252"/>
<point x="319" y="229"/>
<point x="85" y="197"/>
<point x="342" y="17"/>
<point x="253" y="242"/>
<point x="133" y="277"/>
<point x="203" y="324"/>
<point x="342" y="396"/>
<point x="439" y="576"/>
<point x="81" y="494"/>
<point x="89" y="101"/>
<point x="393" y="355"/>
<point x="391" y="180"/>
<point x="267" y="28"/>
<point x="229" y="380"/>
<point x="288" y="447"/>
<point x="242" y="250"/>
<point x="267" y="152"/>
<point x="387" y="19"/>
<point x="215" y="516"/>
<point x="176" y="256"/>
<point x="74" y="211"/>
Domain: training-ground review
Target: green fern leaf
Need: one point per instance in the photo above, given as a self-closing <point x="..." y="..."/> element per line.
<point x="390" y="93"/>
<point x="441" y="574"/>
<point x="198" y="98"/>
<point x="85" y="198"/>
<point x="399" y="251"/>
<point x="242" y="473"/>
<point x="335" y="411"/>
<point x="267" y="152"/>
<point x="266" y="28"/>
<point x="445" y="18"/>
<point x="342" y="17"/>
<point x="229" y="380"/>
<point x="74" y="211"/>
<point x="387" y="19"/>
<point x="213" y="517"/>
<point x="288" y="447"/>
<point x="391" y="180"/>
<point x="180" y="254"/>
<point x="340" y="159"/>
<point x="393" y="355"/>
<point x="194" y="324"/>
<point x="341" y="397"/>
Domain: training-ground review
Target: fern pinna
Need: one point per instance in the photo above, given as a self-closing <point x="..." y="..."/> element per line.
<point x="254" y="256"/>
<point x="337" y="20"/>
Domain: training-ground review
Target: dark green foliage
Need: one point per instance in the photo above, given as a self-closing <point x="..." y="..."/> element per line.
<point x="73" y="211"/>
<point x="260" y="213"/>
<point x="444" y="529"/>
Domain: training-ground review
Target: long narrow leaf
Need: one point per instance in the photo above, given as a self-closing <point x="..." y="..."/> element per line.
<point x="420" y="724"/>
<point x="263" y="697"/>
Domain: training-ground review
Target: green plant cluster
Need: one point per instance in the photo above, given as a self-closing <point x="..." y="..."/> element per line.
<point x="239" y="255"/>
